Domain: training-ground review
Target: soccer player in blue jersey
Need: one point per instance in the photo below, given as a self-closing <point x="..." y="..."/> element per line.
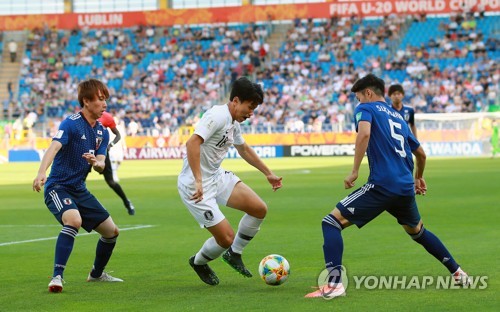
<point x="385" y="137"/>
<point x="79" y="144"/>
<point x="397" y="94"/>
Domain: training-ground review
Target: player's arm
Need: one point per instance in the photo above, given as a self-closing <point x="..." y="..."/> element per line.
<point x="97" y="159"/>
<point x="420" y="185"/>
<point x="117" y="136"/>
<point x="249" y="155"/>
<point x="362" y="139"/>
<point x="411" y="123"/>
<point x="47" y="160"/>
<point x="97" y="162"/>
<point x="413" y="130"/>
<point x="193" y="146"/>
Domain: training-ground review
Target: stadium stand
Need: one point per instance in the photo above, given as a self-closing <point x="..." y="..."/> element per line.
<point x="162" y="78"/>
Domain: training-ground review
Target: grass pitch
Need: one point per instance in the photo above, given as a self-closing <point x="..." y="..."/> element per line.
<point x="461" y="208"/>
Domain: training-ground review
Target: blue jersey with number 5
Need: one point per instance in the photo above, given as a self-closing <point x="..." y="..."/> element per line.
<point x="389" y="149"/>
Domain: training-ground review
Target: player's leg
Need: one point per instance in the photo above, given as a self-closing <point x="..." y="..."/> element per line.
<point x="222" y="238"/>
<point x="96" y="217"/>
<point x="236" y="194"/>
<point x="66" y="212"/>
<point x="109" y="178"/>
<point x="114" y="167"/>
<point x="245" y="199"/>
<point x="209" y="216"/>
<point x="105" y="245"/>
<point x="496" y="149"/>
<point x="360" y="207"/>
<point x="435" y="247"/>
<point x="406" y="212"/>
<point x="333" y="248"/>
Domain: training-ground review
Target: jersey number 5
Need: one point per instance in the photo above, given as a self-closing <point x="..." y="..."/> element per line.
<point x="397" y="137"/>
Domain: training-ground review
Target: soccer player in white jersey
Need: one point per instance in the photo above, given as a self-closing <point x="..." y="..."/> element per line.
<point x="203" y="185"/>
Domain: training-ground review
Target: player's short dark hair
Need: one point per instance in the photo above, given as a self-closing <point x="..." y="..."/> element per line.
<point x="246" y="90"/>
<point x="371" y="81"/>
<point x="88" y="90"/>
<point x="395" y="88"/>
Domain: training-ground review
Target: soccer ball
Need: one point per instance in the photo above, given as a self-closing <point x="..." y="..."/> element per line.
<point x="274" y="270"/>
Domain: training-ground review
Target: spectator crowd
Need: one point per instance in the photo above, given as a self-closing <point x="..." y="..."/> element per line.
<point x="163" y="78"/>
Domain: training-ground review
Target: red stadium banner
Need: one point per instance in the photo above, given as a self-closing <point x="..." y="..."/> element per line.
<point x="362" y="8"/>
<point x="246" y="14"/>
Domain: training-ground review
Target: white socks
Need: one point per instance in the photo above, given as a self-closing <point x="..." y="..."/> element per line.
<point x="208" y="252"/>
<point x="247" y="229"/>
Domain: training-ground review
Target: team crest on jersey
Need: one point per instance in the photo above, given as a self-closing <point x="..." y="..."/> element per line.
<point x="407" y="115"/>
<point x="67" y="201"/>
<point x="98" y="141"/>
<point x="99" y="132"/>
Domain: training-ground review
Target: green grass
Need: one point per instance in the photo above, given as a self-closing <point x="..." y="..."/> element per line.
<point x="461" y="207"/>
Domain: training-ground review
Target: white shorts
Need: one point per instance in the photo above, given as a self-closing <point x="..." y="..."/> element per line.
<point x="215" y="193"/>
<point x="116" y="153"/>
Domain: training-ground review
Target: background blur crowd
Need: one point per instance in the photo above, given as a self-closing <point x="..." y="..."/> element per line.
<point x="163" y="78"/>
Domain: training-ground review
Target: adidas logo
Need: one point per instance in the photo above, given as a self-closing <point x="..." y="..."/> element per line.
<point x="445" y="259"/>
<point x="351" y="210"/>
<point x="83" y="137"/>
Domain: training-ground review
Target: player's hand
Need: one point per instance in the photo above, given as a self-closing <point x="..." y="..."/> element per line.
<point x="198" y="195"/>
<point x="39" y="182"/>
<point x="349" y="180"/>
<point x="90" y="158"/>
<point x="275" y="181"/>
<point x="420" y="186"/>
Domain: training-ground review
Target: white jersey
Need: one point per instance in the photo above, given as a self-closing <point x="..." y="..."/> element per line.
<point x="219" y="132"/>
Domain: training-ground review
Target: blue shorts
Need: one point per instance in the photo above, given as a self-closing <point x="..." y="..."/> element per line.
<point x="59" y="199"/>
<point x="367" y="202"/>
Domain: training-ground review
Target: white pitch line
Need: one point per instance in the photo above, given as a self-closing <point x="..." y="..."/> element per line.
<point x="83" y="234"/>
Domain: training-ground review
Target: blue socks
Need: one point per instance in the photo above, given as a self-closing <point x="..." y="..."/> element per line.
<point x="64" y="246"/>
<point x="103" y="252"/>
<point x="436" y="248"/>
<point x="333" y="247"/>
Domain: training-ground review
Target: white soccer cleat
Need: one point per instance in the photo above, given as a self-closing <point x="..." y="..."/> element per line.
<point x="327" y="292"/>
<point x="56" y="284"/>
<point x="461" y="278"/>
<point x="105" y="277"/>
